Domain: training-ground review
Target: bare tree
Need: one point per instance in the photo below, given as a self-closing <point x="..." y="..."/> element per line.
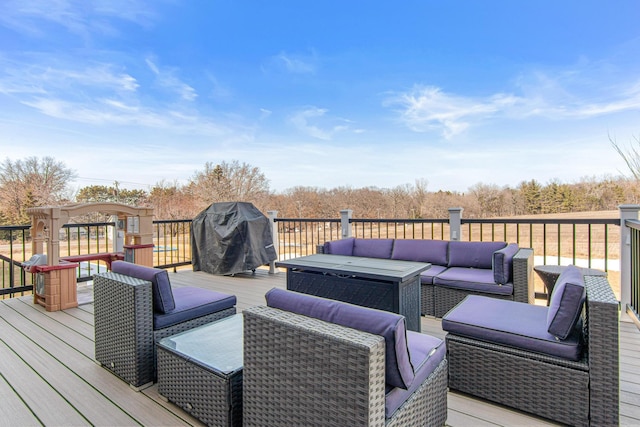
<point x="630" y="155"/>
<point x="31" y="182"/>
<point x="229" y="182"/>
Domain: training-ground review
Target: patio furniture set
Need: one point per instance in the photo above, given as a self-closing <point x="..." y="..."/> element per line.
<point x="304" y="359"/>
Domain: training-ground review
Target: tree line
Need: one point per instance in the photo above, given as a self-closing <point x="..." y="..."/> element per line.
<point x="45" y="181"/>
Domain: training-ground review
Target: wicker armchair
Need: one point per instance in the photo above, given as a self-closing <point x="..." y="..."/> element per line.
<point x="300" y="370"/>
<point x="127" y="326"/>
<point x="575" y="392"/>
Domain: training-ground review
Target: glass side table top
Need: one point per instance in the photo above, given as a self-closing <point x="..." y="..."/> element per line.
<point x="216" y="345"/>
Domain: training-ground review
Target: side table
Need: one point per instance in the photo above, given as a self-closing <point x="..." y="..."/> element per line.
<point x="200" y="370"/>
<point x="550" y="273"/>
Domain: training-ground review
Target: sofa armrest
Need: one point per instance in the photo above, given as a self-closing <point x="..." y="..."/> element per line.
<point x="290" y="358"/>
<point x="602" y="326"/>
<point x="523" y="288"/>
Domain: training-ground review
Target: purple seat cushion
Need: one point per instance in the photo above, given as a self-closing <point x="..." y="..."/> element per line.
<point x="339" y="247"/>
<point x="391" y="326"/>
<point x="503" y="263"/>
<point x="475" y="279"/>
<point x="432" y="251"/>
<point x="163" y="301"/>
<point x="192" y="303"/>
<point x="373" y="248"/>
<point x="473" y="254"/>
<point x="426" y="277"/>
<point x="512" y="324"/>
<point x="566" y="302"/>
<point x="426" y="354"/>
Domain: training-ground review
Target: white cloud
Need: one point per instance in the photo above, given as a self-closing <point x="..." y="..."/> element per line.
<point x="315" y="122"/>
<point x="293" y="63"/>
<point x="78" y="17"/>
<point x="166" y="78"/>
<point x="429" y="108"/>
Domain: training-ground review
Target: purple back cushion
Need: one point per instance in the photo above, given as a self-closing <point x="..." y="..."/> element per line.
<point x="432" y="251"/>
<point x="373" y="248"/>
<point x="502" y="263"/>
<point x="566" y="303"/>
<point x="473" y="254"/>
<point x="339" y="247"/>
<point x="398" y="368"/>
<point x="163" y="301"/>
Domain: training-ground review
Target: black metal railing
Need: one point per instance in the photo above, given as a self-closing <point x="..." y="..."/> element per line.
<point x="634" y="242"/>
<point x="592" y="242"/>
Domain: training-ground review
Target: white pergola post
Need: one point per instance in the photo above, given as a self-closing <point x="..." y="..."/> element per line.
<point x="626" y="212"/>
<point x="455" y="223"/>
<point x="272" y="215"/>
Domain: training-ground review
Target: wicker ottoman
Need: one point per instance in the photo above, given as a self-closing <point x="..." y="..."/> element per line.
<point x="200" y="370"/>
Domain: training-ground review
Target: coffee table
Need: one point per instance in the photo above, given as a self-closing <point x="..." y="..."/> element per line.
<point x="550" y="273"/>
<point x="384" y="284"/>
<point x="200" y="370"/>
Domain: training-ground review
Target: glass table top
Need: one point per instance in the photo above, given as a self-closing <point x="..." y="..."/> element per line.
<point x="216" y="345"/>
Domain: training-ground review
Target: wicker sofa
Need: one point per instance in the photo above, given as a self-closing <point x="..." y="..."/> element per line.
<point x="315" y="361"/>
<point x="135" y="307"/>
<point x="458" y="269"/>
<point x="559" y="362"/>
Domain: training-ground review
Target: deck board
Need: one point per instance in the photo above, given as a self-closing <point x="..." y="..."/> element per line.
<point x="48" y="374"/>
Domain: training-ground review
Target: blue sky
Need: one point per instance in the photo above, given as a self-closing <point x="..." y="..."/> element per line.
<point x="322" y="94"/>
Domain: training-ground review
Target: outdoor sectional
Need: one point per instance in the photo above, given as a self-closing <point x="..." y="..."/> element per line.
<point x="559" y="362"/>
<point x="458" y="269"/>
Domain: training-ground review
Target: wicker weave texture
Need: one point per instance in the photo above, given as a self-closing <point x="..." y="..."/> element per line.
<point x="209" y="396"/>
<point x="575" y="393"/>
<point x="427" y="300"/>
<point x="302" y="371"/>
<point x="447" y="298"/>
<point x="124" y="327"/>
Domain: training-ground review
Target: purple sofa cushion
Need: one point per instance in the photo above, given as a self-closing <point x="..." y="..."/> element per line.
<point x="191" y="303"/>
<point x="566" y="302"/>
<point x="473" y="254"/>
<point x="426" y="277"/>
<point x="163" y="301"/>
<point x="474" y="279"/>
<point x="339" y="247"/>
<point x="427" y="353"/>
<point x="503" y="263"/>
<point x="512" y="324"/>
<point x="373" y="248"/>
<point x="420" y="250"/>
<point x="391" y="326"/>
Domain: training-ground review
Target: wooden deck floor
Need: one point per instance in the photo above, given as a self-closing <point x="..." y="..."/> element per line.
<point x="48" y="375"/>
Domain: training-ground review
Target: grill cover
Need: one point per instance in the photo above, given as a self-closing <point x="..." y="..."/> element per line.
<point x="231" y="237"/>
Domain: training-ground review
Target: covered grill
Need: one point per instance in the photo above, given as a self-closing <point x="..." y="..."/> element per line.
<point x="230" y="238"/>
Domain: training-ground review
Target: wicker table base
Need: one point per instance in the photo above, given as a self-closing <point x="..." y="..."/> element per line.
<point x="194" y="377"/>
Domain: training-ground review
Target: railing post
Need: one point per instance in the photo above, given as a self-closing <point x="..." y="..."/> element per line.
<point x="345" y="216"/>
<point x="272" y="215"/>
<point x="455" y="223"/>
<point x="626" y="212"/>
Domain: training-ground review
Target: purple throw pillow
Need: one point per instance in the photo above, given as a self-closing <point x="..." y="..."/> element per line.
<point x="567" y="300"/>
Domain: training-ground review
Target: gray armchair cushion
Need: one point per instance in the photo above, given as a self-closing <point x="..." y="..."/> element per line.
<point x="163" y="301"/>
<point x="567" y="300"/>
<point x="473" y="254"/>
<point x="391" y="326"/>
